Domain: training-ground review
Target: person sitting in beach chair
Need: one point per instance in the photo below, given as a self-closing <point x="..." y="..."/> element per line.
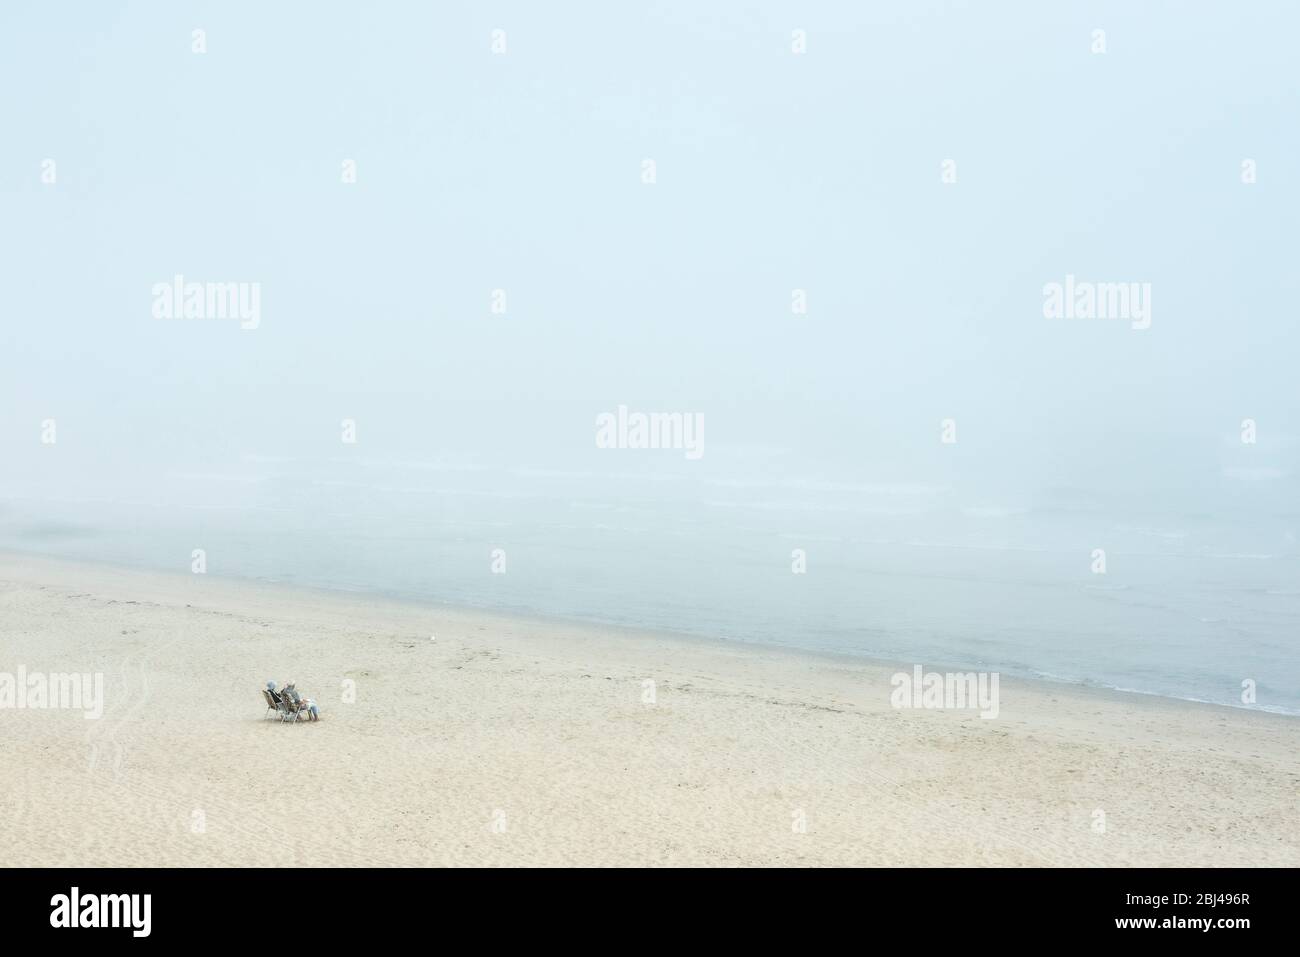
<point x="299" y="703"/>
<point x="278" y="704"/>
<point x="272" y="701"/>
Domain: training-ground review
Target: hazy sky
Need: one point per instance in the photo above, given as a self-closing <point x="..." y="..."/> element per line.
<point x="775" y="171"/>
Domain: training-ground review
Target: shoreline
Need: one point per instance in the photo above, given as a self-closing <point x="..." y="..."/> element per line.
<point x="516" y="741"/>
<point x="522" y="619"/>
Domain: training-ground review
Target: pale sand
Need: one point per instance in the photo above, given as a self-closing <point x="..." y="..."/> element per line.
<point x="541" y="726"/>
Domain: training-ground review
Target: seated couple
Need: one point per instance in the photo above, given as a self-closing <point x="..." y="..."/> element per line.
<point x="296" y="702"/>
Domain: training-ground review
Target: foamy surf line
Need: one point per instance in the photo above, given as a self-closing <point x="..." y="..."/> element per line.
<point x="951" y="657"/>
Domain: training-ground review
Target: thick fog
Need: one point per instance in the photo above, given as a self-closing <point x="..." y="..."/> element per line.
<point x="829" y="230"/>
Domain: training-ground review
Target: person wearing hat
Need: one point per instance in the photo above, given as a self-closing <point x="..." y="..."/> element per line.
<point x="292" y="692"/>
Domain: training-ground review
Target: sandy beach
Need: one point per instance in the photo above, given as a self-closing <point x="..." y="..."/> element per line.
<point x="455" y="737"/>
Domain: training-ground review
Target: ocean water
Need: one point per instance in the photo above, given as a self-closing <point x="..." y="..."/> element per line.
<point x="1190" y="604"/>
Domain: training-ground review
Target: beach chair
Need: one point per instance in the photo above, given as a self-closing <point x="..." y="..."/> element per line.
<point x="271" y="709"/>
<point x="284" y="708"/>
<point x="301" y="707"/>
